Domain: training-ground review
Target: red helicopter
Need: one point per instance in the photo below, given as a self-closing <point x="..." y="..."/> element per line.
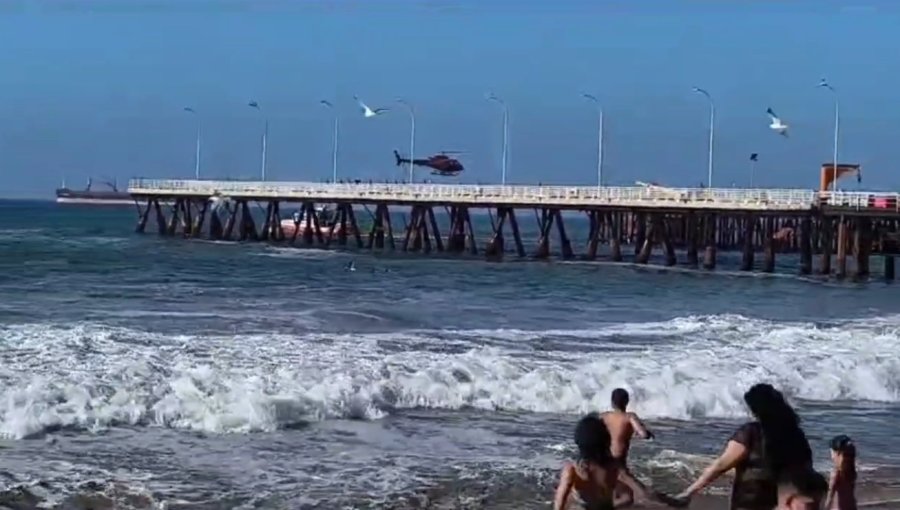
<point x="441" y="164"/>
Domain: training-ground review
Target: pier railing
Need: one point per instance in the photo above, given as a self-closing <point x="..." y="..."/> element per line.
<point x="554" y="196"/>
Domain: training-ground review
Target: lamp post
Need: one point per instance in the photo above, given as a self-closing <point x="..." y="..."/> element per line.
<point x="599" y="138"/>
<point x="262" y="170"/>
<point x="712" y="123"/>
<point x="754" y="157"/>
<point x="412" y="135"/>
<point x="505" y="156"/>
<point x="197" y="155"/>
<point x="334" y="143"/>
<point x="837" y="121"/>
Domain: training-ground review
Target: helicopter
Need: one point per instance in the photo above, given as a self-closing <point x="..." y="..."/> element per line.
<point x="441" y="164"/>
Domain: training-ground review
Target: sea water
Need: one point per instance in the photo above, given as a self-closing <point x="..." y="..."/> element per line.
<point x="165" y="373"/>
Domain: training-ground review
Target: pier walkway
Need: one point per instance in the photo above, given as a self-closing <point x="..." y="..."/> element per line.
<point x="572" y="197"/>
<point x="769" y="220"/>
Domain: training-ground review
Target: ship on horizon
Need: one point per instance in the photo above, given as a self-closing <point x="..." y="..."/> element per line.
<point x="89" y="195"/>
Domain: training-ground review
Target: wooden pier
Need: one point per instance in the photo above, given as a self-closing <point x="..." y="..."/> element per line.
<point x="695" y="224"/>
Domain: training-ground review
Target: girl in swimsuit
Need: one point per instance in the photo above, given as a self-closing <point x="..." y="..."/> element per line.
<point x="589" y="481"/>
<point x="841" y="494"/>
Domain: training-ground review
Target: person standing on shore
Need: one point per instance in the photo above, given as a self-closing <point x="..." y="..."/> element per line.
<point x="841" y="493"/>
<point x="760" y="452"/>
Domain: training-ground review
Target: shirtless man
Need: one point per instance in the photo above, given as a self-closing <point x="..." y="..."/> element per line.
<point x="622" y="427"/>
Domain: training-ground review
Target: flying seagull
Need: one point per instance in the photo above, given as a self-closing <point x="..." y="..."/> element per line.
<point x="754" y="157"/>
<point x="368" y="112"/>
<point x="776" y="125"/>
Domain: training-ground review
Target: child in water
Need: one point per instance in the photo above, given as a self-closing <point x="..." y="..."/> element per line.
<point x="841" y="494"/>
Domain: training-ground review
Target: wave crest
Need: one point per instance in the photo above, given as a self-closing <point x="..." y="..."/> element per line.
<point x="91" y="376"/>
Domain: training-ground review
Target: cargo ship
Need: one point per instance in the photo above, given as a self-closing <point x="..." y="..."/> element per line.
<point x="89" y="195"/>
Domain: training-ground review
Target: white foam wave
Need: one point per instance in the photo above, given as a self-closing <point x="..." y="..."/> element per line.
<point x="93" y="376"/>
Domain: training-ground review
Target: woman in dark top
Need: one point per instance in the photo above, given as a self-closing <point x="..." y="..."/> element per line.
<point x="759" y="452"/>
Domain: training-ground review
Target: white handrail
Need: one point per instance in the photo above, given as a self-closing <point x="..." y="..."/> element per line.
<point x="563" y="196"/>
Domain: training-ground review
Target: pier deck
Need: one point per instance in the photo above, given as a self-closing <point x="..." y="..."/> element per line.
<point x="748" y="220"/>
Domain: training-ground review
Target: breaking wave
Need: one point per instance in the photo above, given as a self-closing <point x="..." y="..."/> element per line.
<point x="91" y="376"/>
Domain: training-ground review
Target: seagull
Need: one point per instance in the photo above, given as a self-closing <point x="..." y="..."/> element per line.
<point x="776" y="125"/>
<point x="368" y="112"/>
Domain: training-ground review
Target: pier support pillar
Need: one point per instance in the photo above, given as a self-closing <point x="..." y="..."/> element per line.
<point x="594" y="222"/>
<point x="709" y="256"/>
<point x="459" y="221"/>
<point x="545" y="225"/>
<point x="748" y="250"/>
<point x="565" y="244"/>
<point x="215" y="225"/>
<point x="862" y="246"/>
<point x="376" y="233"/>
<point x="143" y="215"/>
<point x="889" y="268"/>
<point x="615" y="241"/>
<point x="517" y="236"/>
<point x="647" y="247"/>
<point x="769" y="246"/>
<point x="693" y="235"/>
<point x="841" y="248"/>
<point x="494" y="249"/>
<point x="435" y="232"/>
<point x="827" y="244"/>
<point x="640" y="231"/>
<point x="668" y="245"/>
<point x="806" y="255"/>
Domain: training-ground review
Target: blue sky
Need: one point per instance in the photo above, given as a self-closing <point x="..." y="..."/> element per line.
<point x="97" y="88"/>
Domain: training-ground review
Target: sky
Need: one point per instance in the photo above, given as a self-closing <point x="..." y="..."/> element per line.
<point x="97" y="88"/>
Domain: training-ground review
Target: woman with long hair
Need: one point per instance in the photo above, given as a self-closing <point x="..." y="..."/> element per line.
<point x="591" y="479"/>
<point x="759" y="452"/>
<point x="841" y="487"/>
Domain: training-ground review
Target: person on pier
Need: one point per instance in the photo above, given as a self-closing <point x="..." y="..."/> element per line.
<point x="760" y="452"/>
<point x="623" y="426"/>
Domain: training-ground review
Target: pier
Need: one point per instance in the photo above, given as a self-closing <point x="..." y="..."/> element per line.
<point x="631" y="223"/>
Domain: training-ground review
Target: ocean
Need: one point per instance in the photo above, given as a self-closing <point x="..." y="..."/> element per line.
<point x="143" y="372"/>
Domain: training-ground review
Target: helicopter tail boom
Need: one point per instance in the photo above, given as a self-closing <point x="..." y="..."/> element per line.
<point x="400" y="160"/>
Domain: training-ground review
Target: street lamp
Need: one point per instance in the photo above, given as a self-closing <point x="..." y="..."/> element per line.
<point x="837" y="120"/>
<point x="493" y="97"/>
<point x="754" y="157"/>
<point x="197" y="156"/>
<point x="334" y="143"/>
<point x="262" y="170"/>
<point x="412" y="136"/>
<point x="599" y="138"/>
<point x="712" y="123"/>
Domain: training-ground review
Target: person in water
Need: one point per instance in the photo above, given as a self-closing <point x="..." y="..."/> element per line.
<point x="590" y="481"/>
<point x="801" y="489"/>
<point x="623" y="426"/>
<point x="841" y="487"/>
<point x="759" y="452"/>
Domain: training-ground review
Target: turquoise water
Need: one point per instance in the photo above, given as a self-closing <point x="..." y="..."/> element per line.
<point x="254" y="375"/>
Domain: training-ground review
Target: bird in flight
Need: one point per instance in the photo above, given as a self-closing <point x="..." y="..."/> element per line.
<point x="777" y="125"/>
<point x="368" y="112"/>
